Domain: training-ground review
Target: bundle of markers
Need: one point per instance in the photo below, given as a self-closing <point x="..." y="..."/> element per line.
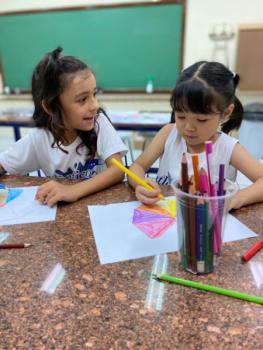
<point x="200" y="211"/>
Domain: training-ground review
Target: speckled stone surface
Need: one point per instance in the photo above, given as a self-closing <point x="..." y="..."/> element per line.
<point x="103" y="306"/>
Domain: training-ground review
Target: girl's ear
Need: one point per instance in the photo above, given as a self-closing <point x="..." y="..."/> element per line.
<point x="46" y="108"/>
<point x="227" y="113"/>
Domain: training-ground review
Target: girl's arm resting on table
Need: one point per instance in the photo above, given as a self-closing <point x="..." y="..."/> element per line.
<point x="144" y="162"/>
<point x="252" y="169"/>
<point x="52" y="191"/>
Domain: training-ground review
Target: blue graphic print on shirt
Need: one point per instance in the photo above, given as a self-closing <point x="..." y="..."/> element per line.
<point x="164" y="180"/>
<point x="80" y="171"/>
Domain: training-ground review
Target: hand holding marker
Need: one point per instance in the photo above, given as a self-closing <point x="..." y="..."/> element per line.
<point x="134" y="176"/>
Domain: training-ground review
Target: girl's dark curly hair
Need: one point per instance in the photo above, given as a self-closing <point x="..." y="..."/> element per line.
<point x="48" y="82"/>
<point x="208" y="87"/>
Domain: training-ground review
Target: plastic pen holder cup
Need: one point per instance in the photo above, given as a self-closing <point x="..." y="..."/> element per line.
<point x="200" y="227"/>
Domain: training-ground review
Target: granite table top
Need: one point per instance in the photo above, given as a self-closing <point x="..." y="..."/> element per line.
<point x="104" y="306"/>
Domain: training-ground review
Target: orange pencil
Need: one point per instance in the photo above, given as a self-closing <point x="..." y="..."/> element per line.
<point x="195" y="162"/>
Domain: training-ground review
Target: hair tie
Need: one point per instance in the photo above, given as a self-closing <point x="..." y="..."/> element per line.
<point x="56" y="53"/>
<point x="235" y="79"/>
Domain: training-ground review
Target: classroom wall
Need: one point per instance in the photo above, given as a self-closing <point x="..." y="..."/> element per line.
<point x="202" y="15"/>
<point x="149" y="43"/>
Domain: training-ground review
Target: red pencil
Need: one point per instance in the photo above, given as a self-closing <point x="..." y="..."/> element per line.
<point x="184" y="174"/>
<point x="252" y="251"/>
<point x="14" y="245"/>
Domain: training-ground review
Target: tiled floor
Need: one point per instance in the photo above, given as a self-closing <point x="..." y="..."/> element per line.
<point x="7" y="139"/>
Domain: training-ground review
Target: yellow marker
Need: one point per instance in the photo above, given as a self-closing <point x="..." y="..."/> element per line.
<point x="134" y="176"/>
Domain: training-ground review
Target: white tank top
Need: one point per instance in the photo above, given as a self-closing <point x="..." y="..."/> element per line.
<point x="170" y="162"/>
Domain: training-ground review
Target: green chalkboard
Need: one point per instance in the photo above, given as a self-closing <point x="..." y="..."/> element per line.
<point x="122" y="45"/>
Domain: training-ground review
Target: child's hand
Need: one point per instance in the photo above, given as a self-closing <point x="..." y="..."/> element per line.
<point x="52" y="192"/>
<point x="236" y="202"/>
<point x="146" y="196"/>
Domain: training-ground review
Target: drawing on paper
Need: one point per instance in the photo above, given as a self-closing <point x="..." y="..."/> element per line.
<point x="8" y="194"/>
<point x="19" y="206"/>
<point x="154" y="220"/>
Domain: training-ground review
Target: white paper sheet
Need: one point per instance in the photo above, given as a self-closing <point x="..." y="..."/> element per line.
<point x="118" y="239"/>
<point x="25" y="209"/>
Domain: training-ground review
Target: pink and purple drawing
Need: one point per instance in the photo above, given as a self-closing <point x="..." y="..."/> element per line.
<point x="154" y="220"/>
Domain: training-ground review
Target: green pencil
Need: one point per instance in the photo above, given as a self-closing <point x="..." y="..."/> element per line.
<point x="213" y="289"/>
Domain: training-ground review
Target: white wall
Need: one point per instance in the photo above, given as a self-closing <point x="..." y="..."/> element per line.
<point x="202" y="15"/>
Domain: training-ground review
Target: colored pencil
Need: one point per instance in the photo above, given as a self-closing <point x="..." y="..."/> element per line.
<point x="192" y="232"/>
<point x="195" y="162"/>
<point x="252" y="251"/>
<point x="191" y="185"/>
<point x="185" y="182"/>
<point x="200" y="232"/>
<point x="209" y="240"/>
<point x="135" y="177"/>
<point x="209" y="288"/>
<point x="186" y="211"/>
<point x="15" y="245"/>
<point x="181" y="237"/>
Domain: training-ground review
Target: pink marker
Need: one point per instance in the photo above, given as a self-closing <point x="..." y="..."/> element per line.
<point x="203" y="181"/>
<point x="210" y="167"/>
<point x="212" y="193"/>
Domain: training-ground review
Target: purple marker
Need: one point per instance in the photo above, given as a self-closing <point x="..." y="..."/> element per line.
<point x="220" y="191"/>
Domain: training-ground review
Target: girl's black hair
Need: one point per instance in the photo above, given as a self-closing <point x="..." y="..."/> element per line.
<point x="49" y="80"/>
<point x="205" y="88"/>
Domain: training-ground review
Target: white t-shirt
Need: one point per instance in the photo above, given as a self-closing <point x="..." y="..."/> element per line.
<point x="34" y="151"/>
<point x="170" y="162"/>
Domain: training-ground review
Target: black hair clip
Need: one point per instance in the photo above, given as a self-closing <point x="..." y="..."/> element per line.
<point x="235" y="79"/>
<point x="56" y="53"/>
